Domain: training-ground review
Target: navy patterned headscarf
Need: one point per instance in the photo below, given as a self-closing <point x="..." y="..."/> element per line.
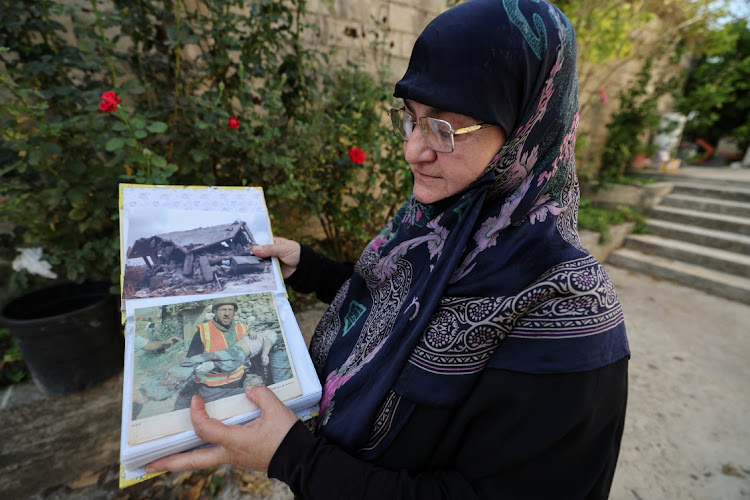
<point x="493" y="276"/>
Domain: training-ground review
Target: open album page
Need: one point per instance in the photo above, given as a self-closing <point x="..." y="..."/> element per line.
<point x="203" y="315"/>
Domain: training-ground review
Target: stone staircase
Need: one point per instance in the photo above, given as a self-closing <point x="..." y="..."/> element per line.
<point x="699" y="235"/>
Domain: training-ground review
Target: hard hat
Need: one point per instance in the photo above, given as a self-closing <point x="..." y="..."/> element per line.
<point x="225" y="301"/>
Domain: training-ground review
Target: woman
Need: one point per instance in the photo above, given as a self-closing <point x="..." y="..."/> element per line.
<point x="476" y="349"/>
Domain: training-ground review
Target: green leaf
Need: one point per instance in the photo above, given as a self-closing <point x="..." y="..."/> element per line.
<point x="157" y="127"/>
<point x="86" y="45"/>
<point x="114" y="144"/>
<point x="34" y="157"/>
<point x="77" y="214"/>
<point x="138" y="123"/>
<point x="76" y="167"/>
<point x="158" y="161"/>
<point x="140" y="134"/>
<point x="76" y="195"/>
<point x="199" y="155"/>
<point x="119" y="126"/>
<point x="50" y="148"/>
<point x="8" y="168"/>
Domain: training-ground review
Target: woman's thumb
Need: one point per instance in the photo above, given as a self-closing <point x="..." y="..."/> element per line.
<point x="261" y="250"/>
<point x="275" y="417"/>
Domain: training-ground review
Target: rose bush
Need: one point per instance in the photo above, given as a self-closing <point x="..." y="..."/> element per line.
<point x="90" y="98"/>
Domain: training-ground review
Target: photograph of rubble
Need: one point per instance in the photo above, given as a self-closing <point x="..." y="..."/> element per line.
<point x="189" y="253"/>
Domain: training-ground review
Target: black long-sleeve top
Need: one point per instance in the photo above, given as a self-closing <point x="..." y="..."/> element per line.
<point x="516" y="435"/>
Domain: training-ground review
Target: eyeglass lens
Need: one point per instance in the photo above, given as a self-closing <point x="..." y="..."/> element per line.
<point x="436" y="132"/>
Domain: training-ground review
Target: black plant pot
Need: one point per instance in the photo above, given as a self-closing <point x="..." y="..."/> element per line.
<point x="69" y="335"/>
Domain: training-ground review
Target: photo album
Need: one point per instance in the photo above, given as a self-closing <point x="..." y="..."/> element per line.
<point x="202" y="315"/>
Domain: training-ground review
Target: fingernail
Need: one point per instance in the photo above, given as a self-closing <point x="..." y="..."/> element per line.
<point x="150" y="470"/>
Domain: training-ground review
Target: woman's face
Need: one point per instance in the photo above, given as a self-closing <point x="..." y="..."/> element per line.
<point x="439" y="175"/>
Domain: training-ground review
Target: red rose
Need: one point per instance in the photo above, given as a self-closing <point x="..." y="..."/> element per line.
<point x="109" y="103"/>
<point x="357" y="156"/>
<point x="233" y="122"/>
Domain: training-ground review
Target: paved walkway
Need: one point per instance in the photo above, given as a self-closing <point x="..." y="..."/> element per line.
<point x="686" y="432"/>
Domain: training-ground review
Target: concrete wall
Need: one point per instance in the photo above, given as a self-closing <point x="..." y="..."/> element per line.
<point x="352" y="26"/>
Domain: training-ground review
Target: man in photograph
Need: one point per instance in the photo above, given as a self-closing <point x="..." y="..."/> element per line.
<point x="150" y="328"/>
<point x="145" y="347"/>
<point x="280" y="369"/>
<point x="220" y="333"/>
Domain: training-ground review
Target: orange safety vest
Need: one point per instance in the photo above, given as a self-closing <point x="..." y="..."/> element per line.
<point x="214" y="340"/>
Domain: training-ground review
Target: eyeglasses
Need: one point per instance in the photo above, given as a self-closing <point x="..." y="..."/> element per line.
<point x="437" y="133"/>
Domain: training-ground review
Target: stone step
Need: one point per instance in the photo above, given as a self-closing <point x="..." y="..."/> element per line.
<point x="690" y="253"/>
<point x="723" y="240"/>
<point x="716" y="204"/>
<point x="721" y="181"/>
<point x="715" y="282"/>
<point x="728" y="223"/>
<point x="734" y="192"/>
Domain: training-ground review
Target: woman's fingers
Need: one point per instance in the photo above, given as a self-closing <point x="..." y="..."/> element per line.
<point x="287" y="251"/>
<point x="249" y="447"/>
<point x="281" y="248"/>
<point x="206" y="428"/>
<point x="201" y="458"/>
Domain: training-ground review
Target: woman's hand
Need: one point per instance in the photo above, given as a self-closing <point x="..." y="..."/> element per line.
<point x="249" y="447"/>
<point x="287" y="251"/>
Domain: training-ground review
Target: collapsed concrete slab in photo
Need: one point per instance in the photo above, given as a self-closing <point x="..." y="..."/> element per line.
<point x="201" y="255"/>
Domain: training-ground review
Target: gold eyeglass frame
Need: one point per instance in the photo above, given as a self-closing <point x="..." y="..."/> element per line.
<point x="422" y="121"/>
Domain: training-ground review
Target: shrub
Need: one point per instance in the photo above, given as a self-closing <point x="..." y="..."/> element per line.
<point x="600" y="219"/>
<point x="631" y="125"/>
<point x="12" y="367"/>
<point x="213" y="93"/>
<point x="355" y="178"/>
